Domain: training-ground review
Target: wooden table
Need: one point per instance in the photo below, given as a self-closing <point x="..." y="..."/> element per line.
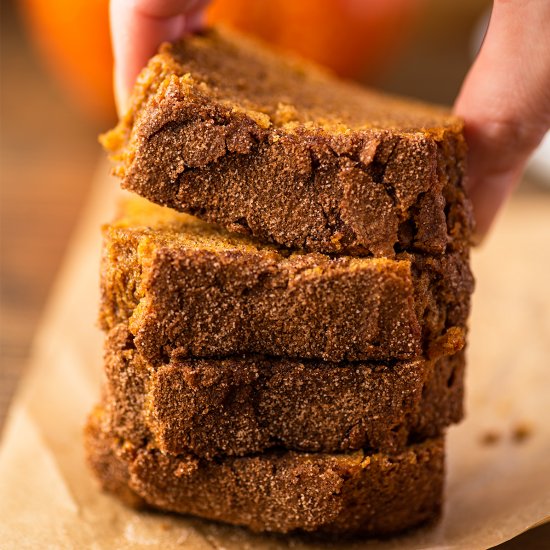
<point x="48" y="155"/>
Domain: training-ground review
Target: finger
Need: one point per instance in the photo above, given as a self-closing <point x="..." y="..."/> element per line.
<point x="505" y="102"/>
<point x="138" y="27"/>
<point x="195" y="20"/>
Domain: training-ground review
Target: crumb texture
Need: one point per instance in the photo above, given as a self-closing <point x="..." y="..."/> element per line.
<point x="352" y="493"/>
<point x="187" y="289"/>
<point x="224" y="129"/>
<point x="238" y="406"/>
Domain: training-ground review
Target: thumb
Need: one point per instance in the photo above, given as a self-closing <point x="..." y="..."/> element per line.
<point x="138" y="27"/>
<point x="505" y="102"/>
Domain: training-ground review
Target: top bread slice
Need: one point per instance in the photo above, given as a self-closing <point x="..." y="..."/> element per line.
<point x="223" y="128"/>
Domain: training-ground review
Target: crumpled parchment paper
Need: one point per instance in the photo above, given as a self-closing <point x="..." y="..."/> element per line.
<point x="498" y="458"/>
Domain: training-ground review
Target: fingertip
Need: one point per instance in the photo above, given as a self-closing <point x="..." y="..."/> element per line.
<point x="488" y="193"/>
<point x="505" y="103"/>
<point x="138" y="29"/>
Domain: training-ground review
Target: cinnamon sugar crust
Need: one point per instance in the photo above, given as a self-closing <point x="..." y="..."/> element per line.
<point x="189" y="289"/>
<point x="282" y="491"/>
<point x="223" y="128"/>
<point x="238" y="406"/>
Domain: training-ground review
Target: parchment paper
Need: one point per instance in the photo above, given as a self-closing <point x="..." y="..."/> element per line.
<point x="498" y="459"/>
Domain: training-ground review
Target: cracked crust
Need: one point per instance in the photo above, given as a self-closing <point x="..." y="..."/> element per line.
<point x="350" y="493"/>
<point x="264" y="145"/>
<point x="238" y="406"/>
<point x="189" y="289"/>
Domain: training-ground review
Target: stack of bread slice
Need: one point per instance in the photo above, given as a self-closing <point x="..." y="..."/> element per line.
<point x="290" y="358"/>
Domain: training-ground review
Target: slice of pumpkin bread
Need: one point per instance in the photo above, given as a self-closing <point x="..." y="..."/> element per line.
<point x="243" y="405"/>
<point x="280" y="491"/>
<point x="223" y="128"/>
<point x="189" y="289"/>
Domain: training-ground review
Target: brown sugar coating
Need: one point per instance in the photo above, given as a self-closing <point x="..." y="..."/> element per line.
<point x="240" y="406"/>
<point x="351" y="493"/>
<point x="222" y="128"/>
<point x="189" y="289"/>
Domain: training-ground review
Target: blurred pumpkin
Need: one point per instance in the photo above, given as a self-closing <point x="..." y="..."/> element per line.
<point x="74" y="37"/>
<point x="352" y="37"/>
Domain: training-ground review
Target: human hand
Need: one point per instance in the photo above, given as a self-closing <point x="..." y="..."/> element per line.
<point x="505" y="101"/>
<point x="138" y="27"/>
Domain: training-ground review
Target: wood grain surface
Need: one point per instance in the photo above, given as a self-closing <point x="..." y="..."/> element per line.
<point x="48" y="154"/>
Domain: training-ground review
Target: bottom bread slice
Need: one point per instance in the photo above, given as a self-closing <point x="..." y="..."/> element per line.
<point x="279" y="491"/>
